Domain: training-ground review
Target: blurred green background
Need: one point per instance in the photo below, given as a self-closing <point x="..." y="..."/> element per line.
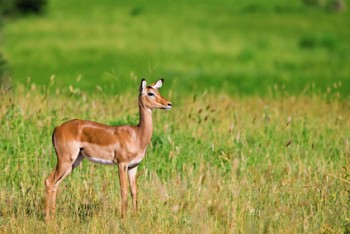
<point x="238" y="47"/>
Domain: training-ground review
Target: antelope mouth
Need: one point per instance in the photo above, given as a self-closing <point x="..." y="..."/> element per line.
<point x="166" y="107"/>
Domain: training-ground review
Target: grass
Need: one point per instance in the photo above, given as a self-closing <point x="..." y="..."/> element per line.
<point x="240" y="48"/>
<point x="257" y="141"/>
<point x="215" y="164"/>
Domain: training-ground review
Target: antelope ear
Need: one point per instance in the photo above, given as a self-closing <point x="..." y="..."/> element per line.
<point x="143" y="85"/>
<point x="158" y="84"/>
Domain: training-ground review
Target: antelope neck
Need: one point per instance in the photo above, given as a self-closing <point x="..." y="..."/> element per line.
<point x="145" y="125"/>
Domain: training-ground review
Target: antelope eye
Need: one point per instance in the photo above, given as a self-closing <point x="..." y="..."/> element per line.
<point x="151" y="94"/>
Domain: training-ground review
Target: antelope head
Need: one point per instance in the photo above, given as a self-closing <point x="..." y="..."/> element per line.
<point x="151" y="98"/>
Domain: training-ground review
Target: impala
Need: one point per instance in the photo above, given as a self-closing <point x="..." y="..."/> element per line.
<point x="124" y="146"/>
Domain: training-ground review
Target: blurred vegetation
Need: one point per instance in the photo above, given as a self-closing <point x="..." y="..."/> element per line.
<point x="3" y="76"/>
<point x="22" y="7"/>
<point x="330" y="5"/>
<point x="15" y="8"/>
<point x="244" y="49"/>
<point x="2" y="59"/>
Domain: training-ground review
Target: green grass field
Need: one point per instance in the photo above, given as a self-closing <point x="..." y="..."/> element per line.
<point x="215" y="164"/>
<point x="257" y="140"/>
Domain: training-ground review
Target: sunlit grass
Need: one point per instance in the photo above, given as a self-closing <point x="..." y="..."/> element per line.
<point x="215" y="164"/>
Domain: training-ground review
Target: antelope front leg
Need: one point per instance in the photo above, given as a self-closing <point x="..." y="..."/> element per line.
<point x="47" y="204"/>
<point x="123" y="187"/>
<point x="132" y="180"/>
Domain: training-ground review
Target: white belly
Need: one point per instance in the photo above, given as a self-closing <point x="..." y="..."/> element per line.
<point x="135" y="162"/>
<point x="100" y="161"/>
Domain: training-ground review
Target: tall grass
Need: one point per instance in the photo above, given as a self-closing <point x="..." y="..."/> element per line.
<point x="215" y="164"/>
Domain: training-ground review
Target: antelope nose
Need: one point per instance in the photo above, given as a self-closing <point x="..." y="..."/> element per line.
<point x="169" y="104"/>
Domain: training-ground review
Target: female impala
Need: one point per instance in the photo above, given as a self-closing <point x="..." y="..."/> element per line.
<point x="124" y="146"/>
